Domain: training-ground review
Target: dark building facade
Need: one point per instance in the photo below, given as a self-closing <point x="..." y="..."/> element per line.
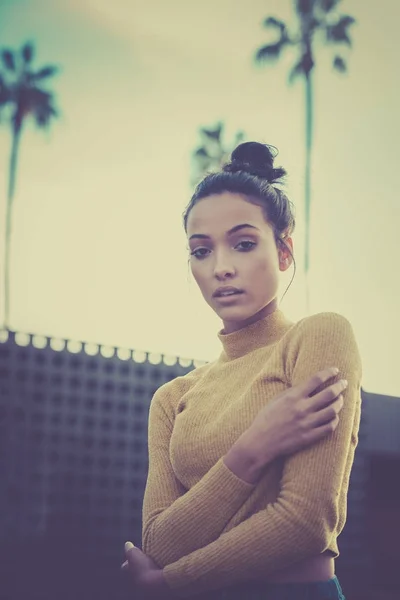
<point x="73" y="467"/>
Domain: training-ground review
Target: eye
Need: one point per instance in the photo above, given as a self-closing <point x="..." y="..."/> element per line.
<point x="246" y="245"/>
<point x="200" y="253"/>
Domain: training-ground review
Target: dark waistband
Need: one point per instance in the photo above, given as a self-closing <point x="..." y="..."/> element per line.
<point x="315" y="590"/>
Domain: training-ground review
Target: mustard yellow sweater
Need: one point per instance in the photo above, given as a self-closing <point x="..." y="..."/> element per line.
<point x="204" y="526"/>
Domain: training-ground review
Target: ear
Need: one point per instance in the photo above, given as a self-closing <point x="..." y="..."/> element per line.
<point x="285" y="257"/>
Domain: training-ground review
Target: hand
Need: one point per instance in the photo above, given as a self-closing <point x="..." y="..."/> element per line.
<point x="148" y="578"/>
<point x="295" y="419"/>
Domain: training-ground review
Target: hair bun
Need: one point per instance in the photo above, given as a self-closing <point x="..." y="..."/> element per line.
<point x="256" y="159"/>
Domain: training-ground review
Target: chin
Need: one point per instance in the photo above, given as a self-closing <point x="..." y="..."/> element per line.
<point x="234" y="313"/>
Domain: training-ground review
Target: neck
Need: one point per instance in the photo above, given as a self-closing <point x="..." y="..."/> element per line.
<point x="231" y="326"/>
<point x="258" y="333"/>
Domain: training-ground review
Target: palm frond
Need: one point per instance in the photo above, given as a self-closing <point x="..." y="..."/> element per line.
<point x="8" y="60"/>
<point x="4" y="97"/>
<point x="201" y="153"/>
<point x="34" y="102"/>
<point x="276" y="23"/>
<point x="295" y="72"/>
<point x="40" y="104"/>
<point x="27" y="52"/>
<point x="338" y="32"/>
<point x="339" y="64"/>
<point x="3" y="100"/>
<point x="273" y="50"/>
<point x="44" y="114"/>
<point x="3" y="91"/>
<point x="269" y="52"/>
<point x="328" y="5"/>
<point x="38" y="98"/>
<point x="212" y="134"/>
<point x="202" y="163"/>
<point x="305" y="7"/>
<point x="44" y="73"/>
<point x="303" y="67"/>
<point x="212" y="153"/>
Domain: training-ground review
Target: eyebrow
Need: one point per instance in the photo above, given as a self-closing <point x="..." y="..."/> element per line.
<point x="203" y="236"/>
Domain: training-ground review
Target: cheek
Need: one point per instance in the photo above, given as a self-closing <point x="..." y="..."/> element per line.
<point x="263" y="273"/>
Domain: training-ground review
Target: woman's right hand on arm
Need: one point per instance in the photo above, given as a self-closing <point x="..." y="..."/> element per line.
<point x="295" y="419"/>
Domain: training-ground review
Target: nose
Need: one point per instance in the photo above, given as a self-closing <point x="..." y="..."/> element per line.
<point x="223" y="268"/>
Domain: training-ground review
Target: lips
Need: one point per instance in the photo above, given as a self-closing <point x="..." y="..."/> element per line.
<point x="226" y="292"/>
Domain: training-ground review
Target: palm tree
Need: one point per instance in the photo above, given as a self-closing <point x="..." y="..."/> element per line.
<point x="315" y="17"/>
<point x="21" y="96"/>
<point x="212" y="153"/>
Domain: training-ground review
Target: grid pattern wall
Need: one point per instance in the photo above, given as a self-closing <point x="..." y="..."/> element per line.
<point x="73" y="457"/>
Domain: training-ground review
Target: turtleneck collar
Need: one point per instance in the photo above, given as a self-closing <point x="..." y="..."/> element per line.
<point x="262" y="333"/>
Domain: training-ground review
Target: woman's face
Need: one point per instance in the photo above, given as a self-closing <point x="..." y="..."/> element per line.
<point x="232" y="245"/>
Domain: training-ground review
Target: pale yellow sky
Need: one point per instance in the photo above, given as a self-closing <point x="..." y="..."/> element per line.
<point x="99" y="252"/>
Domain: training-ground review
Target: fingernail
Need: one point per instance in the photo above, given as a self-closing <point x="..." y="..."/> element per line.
<point x="128" y="546"/>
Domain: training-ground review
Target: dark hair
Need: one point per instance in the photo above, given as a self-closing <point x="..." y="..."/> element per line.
<point x="251" y="172"/>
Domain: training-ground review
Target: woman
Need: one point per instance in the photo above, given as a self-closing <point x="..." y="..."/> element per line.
<point x="249" y="463"/>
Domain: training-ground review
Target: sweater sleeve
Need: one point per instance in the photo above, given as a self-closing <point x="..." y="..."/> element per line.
<point x="169" y="510"/>
<point x="309" y="509"/>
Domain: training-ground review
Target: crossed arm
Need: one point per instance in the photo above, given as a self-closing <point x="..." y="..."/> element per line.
<point x="170" y="511"/>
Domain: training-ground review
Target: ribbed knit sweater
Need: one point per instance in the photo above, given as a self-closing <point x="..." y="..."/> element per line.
<point x="207" y="528"/>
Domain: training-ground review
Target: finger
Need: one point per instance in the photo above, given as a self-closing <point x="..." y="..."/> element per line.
<point x="131" y="553"/>
<point x="308" y="387"/>
<point x="324" y="416"/>
<point x="318" y="433"/>
<point x="326" y="396"/>
<point x="128" y="554"/>
<point x="321" y="432"/>
<point x="128" y="547"/>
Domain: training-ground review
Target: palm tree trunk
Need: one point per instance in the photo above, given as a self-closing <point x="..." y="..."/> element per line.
<point x="307" y="190"/>
<point x="16" y="135"/>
